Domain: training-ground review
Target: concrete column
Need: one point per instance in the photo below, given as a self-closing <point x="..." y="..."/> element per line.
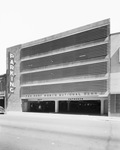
<point x="56" y="106"/>
<point x="102" y="107"/>
<point x="106" y="106"/>
<point x="24" y="106"/>
<point x="68" y="108"/>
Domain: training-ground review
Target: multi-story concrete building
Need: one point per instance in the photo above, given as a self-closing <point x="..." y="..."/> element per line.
<point x="71" y="72"/>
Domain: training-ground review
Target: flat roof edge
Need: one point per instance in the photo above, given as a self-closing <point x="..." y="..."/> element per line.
<point x="115" y="33"/>
<point x="14" y="47"/>
<point x="67" y="33"/>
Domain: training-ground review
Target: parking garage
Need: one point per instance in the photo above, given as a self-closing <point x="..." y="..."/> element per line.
<point x="65" y="73"/>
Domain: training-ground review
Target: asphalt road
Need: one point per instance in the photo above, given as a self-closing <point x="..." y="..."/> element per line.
<point x="33" y="131"/>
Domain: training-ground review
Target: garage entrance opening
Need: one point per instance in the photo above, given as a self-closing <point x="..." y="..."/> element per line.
<point x="89" y="107"/>
<point x="42" y="106"/>
<point x="85" y="107"/>
<point x="63" y="107"/>
<point x="2" y="102"/>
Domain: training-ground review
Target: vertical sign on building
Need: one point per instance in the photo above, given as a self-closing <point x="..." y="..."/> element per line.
<point x="11" y="72"/>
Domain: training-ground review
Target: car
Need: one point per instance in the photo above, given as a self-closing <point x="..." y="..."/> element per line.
<point x="2" y="110"/>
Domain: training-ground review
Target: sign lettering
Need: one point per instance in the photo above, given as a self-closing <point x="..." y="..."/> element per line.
<point x="11" y="71"/>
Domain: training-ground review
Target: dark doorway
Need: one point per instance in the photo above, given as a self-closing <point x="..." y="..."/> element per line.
<point x="80" y="107"/>
<point x="2" y="102"/>
<point x="85" y="107"/>
<point x="42" y="106"/>
<point x="63" y="106"/>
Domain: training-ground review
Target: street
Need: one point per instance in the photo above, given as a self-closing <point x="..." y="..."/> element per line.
<point x="35" y="131"/>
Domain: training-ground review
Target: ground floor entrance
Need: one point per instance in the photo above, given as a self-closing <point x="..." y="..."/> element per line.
<point x="2" y="101"/>
<point x="88" y="107"/>
<point x="44" y="106"/>
<point x="80" y="107"/>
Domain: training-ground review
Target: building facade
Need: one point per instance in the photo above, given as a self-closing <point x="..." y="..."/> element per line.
<point x="68" y="72"/>
<point x="115" y="74"/>
<point x="3" y="91"/>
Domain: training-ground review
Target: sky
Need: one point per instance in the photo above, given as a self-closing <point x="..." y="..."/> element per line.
<point x="22" y="21"/>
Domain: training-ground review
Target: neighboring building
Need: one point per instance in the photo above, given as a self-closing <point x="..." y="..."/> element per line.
<point x="3" y="91"/>
<point x="66" y="73"/>
<point x="115" y="74"/>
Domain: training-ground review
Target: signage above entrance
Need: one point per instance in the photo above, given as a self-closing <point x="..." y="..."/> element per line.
<point x="71" y="94"/>
<point x="75" y="99"/>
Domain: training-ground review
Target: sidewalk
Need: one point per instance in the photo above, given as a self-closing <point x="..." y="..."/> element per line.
<point x="58" y="115"/>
